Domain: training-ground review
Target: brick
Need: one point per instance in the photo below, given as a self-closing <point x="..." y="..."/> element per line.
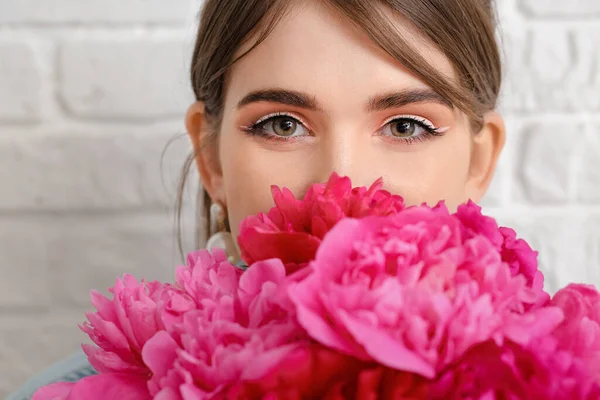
<point x="504" y="10"/>
<point x="23" y="268"/>
<point x="560" y="8"/>
<point x="111" y="11"/>
<point x="32" y="343"/>
<point x="588" y="171"/>
<point x="545" y="161"/>
<point x="87" y="253"/>
<point x="552" y="69"/>
<point x="92" y="171"/>
<point x="20" y="84"/>
<point x="51" y="259"/>
<point x="570" y="248"/>
<point x="124" y="79"/>
<point x="513" y="96"/>
<point x="591" y="235"/>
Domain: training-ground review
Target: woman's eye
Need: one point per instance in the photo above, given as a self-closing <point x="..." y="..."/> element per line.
<point x="405" y="128"/>
<point x="284" y="127"/>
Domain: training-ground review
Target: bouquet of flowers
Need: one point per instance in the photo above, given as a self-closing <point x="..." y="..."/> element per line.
<point x="348" y="295"/>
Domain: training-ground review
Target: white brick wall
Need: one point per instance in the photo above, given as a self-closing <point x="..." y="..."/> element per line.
<point x="91" y="91"/>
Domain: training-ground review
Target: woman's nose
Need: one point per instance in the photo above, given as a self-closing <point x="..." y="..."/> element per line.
<point x="347" y="154"/>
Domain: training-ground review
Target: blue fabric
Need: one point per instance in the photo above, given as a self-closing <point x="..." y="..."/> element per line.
<point x="70" y="369"/>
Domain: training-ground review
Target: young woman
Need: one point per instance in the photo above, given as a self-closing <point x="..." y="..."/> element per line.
<point x="289" y="91"/>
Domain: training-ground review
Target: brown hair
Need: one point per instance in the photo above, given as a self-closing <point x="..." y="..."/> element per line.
<point x="464" y="30"/>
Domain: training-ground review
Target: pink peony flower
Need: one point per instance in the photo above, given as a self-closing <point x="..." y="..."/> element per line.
<point x="97" y="387"/>
<point x="516" y="252"/>
<point x="293" y="229"/>
<point x="580" y="332"/>
<point x="395" y="303"/>
<point x="412" y="293"/>
<point x="242" y="329"/>
<point x="207" y="275"/>
<point x="540" y="370"/>
<point x="123" y="324"/>
<point x="578" y="337"/>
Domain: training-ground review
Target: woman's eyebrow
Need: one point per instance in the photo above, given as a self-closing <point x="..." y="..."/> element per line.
<point x="281" y="96"/>
<point x="377" y="103"/>
<point x="405" y="97"/>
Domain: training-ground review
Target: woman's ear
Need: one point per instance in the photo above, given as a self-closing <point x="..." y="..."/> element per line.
<point x="487" y="146"/>
<point x="206" y="152"/>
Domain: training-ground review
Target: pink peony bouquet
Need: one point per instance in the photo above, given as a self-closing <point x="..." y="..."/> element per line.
<point x="349" y="295"/>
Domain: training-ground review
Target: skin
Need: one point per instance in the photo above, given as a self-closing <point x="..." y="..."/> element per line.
<point x="317" y="53"/>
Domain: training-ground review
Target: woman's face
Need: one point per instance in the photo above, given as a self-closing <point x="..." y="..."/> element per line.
<point x="317" y="96"/>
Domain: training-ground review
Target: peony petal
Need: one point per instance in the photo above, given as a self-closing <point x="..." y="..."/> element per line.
<point x="289" y="247"/>
<point x="143" y="322"/>
<point x="335" y="245"/>
<point x="109" y="332"/>
<point x="55" y="391"/>
<point x="191" y="392"/>
<point x="259" y="273"/>
<point x="169" y="394"/>
<point x="266" y="362"/>
<point x="533" y="325"/>
<point x="105" y="361"/>
<point x="311" y="320"/>
<point x="225" y="277"/>
<point x="159" y="353"/>
<point x="104" y="305"/>
<point x="384" y="349"/>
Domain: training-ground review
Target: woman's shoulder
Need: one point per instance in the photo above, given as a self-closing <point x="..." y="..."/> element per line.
<point x="70" y="369"/>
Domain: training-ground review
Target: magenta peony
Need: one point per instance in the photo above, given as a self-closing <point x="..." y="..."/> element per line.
<point x="577" y="348"/>
<point x="517" y="253"/>
<point x="413" y="292"/>
<point x="123" y="324"/>
<point x="294" y="228"/>
<point x="349" y="295"/>
<point x="580" y="332"/>
<point x="242" y="329"/>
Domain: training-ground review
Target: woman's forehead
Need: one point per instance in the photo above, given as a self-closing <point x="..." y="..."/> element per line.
<point x="315" y="49"/>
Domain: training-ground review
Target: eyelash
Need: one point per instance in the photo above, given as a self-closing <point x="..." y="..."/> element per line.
<point x="258" y="128"/>
<point x="430" y="131"/>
